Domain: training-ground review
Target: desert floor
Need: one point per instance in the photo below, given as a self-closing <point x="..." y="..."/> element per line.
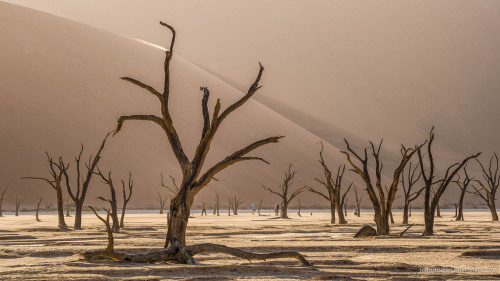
<point x="31" y="250"/>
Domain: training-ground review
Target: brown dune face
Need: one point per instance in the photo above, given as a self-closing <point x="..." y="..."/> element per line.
<point x="61" y="87"/>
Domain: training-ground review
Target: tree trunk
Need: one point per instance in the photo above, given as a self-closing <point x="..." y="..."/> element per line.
<point x="390" y="214"/>
<point x="114" y="216"/>
<point x="122" y="218"/>
<point x="78" y="216"/>
<point x="180" y="209"/>
<point x="438" y="211"/>
<point x="284" y="210"/>
<point x="1" y="212"/>
<point x="382" y="221"/>
<point x="493" y="209"/>
<point x="340" y="212"/>
<point x="60" y="209"/>
<point x="67" y="210"/>
<point x="332" y="211"/>
<point x="429" y="221"/>
<point x="409" y="214"/>
<point x="405" y="213"/>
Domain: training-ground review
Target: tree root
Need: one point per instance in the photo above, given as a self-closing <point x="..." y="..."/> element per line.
<point x="179" y="254"/>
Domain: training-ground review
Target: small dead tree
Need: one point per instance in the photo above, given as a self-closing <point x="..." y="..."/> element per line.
<point x="68" y="202"/>
<point x="3" y="195"/>
<point x="463" y="189"/>
<point x="430" y="204"/>
<point x="38" y="210"/>
<point x="174" y="189"/>
<point x="492" y="179"/>
<point x="235" y="203"/>
<point x="57" y="171"/>
<point x="217" y="204"/>
<point x="300" y="208"/>
<point x="258" y="209"/>
<point x="382" y="203"/>
<point x="19" y="200"/>
<point x="287" y="182"/>
<point x="162" y="201"/>
<point x="438" y="210"/>
<point x="113" y="203"/>
<point x="408" y="184"/>
<point x="358" y="202"/>
<point x="126" y="198"/>
<point x="83" y="182"/>
<point x="333" y="187"/>
<point x="345" y="208"/>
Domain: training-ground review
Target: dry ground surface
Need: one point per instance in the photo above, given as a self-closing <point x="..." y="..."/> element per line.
<point x="31" y="250"/>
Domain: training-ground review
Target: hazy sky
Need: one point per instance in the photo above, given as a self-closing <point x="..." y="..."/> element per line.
<point x="364" y="70"/>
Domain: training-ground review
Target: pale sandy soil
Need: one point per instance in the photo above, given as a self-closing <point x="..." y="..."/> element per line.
<point x="31" y="250"/>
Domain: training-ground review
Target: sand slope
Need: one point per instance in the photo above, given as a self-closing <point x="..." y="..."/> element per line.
<point x="60" y="87"/>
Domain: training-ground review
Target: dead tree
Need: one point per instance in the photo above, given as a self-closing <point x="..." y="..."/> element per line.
<point x="492" y="179"/>
<point x="57" y="170"/>
<point x="3" y="195"/>
<point x="358" y="202"/>
<point x="430" y="204"/>
<point x="382" y="203"/>
<point x="408" y="184"/>
<point x="287" y="182"/>
<point x="38" y="210"/>
<point x="345" y="208"/>
<point x="300" y="208"/>
<point x="68" y="202"/>
<point x="463" y="189"/>
<point x="19" y="200"/>
<point x="83" y="182"/>
<point x="333" y="188"/>
<point x="193" y="179"/>
<point x="258" y="209"/>
<point x="438" y="210"/>
<point x="178" y="253"/>
<point x="162" y="201"/>
<point x="235" y="202"/>
<point x="126" y="198"/>
<point x="113" y="203"/>
<point x="174" y="189"/>
<point x="217" y="204"/>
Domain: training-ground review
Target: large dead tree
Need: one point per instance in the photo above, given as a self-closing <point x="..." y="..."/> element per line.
<point x="57" y="171"/>
<point x="492" y="179"/>
<point x="193" y="180"/>
<point x="358" y="202"/>
<point x="126" y="198"/>
<point x="333" y="187"/>
<point x="3" y="195"/>
<point x="409" y="194"/>
<point x="19" y="200"/>
<point x="463" y="189"/>
<point x="382" y="203"/>
<point x="83" y="182"/>
<point x="287" y="182"/>
<point x="235" y="203"/>
<point x="430" y="204"/>
<point x="113" y="203"/>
